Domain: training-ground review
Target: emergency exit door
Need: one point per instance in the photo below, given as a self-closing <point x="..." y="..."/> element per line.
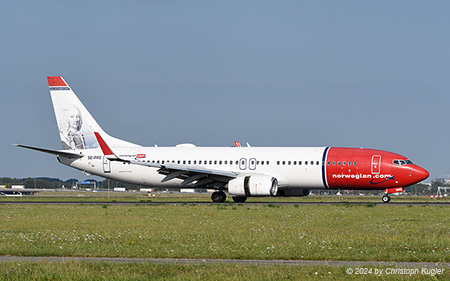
<point x="376" y="163"/>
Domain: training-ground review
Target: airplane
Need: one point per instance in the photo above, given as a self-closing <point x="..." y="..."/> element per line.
<point x="242" y="172"/>
<point x="18" y="192"/>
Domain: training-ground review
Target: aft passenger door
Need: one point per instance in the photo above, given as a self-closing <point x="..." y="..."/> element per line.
<point x="106" y="165"/>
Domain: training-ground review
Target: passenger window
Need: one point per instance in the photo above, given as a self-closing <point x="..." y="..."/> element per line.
<point x="210" y="162"/>
<point x="312" y="162"/>
<point x="278" y="162"/>
<point x="289" y="162"/>
<point x="184" y="162"/>
<point x="334" y="163"/>
<point x="299" y="162"/>
<point x="339" y="163"/>
<point x="328" y="163"/>
<point x="343" y="163"/>
<point x="306" y="162"/>
<point x="220" y="162"/>
<point x="189" y="162"/>
<point x="215" y="162"/>
<point x="317" y="163"/>
<point x="284" y="162"/>
<point x="295" y="162"/>
<point x="267" y="162"/>
<point x="354" y="163"/>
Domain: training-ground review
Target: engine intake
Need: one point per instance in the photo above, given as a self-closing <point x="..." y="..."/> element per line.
<point x="254" y="185"/>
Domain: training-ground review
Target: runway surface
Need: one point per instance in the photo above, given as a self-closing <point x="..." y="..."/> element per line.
<point x="228" y="262"/>
<point x="225" y="203"/>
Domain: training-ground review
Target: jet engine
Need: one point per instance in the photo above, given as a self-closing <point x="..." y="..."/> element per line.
<point x="253" y="185"/>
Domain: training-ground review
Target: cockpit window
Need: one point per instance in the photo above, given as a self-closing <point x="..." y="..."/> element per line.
<point x="402" y="162"/>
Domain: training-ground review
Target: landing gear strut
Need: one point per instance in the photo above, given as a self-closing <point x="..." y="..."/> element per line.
<point x="218" y="197"/>
<point x="386" y="198"/>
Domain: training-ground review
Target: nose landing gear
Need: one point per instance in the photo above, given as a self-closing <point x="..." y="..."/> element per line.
<point x="386" y="198"/>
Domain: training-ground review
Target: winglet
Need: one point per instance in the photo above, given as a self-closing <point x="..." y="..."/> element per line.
<point x="105" y="148"/>
<point x="237" y="144"/>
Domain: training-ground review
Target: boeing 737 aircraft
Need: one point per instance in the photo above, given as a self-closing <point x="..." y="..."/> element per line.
<point x="241" y="171"/>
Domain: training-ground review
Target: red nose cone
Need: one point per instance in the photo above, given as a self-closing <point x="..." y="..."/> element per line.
<point x="420" y="173"/>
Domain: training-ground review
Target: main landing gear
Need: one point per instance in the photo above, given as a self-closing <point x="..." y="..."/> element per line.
<point x="386" y="198"/>
<point x="239" y="199"/>
<point x="218" y="197"/>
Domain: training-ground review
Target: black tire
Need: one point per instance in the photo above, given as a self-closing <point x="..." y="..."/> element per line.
<point x="218" y="197"/>
<point x="386" y="199"/>
<point x="239" y="199"/>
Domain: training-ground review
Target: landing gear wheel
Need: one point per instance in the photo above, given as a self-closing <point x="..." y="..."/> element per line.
<point x="218" y="197"/>
<point x="386" y="198"/>
<point x="239" y="199"/>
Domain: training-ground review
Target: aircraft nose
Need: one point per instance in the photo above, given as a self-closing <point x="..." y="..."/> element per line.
<point x="420" y="173"/>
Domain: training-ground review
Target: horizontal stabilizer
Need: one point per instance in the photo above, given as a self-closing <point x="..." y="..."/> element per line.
<point x="52" y="151"/>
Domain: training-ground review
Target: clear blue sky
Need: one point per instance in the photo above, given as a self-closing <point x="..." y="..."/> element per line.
<point x="370" y="74"/>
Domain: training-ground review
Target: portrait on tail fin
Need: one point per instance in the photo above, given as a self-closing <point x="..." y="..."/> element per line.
<point x="70" y="131"/>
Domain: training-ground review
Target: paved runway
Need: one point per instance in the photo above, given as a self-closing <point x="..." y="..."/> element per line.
<point x="225" y="203"/>
<point x="228" y="262"/>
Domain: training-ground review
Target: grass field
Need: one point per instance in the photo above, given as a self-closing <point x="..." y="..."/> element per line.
<point x="365" y="232"/>
<point x="108" y="271"/>
<point x="233" y="231"/>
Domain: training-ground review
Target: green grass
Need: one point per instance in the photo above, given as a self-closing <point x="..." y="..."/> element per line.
<point x="232" y="231"/>
<point x="143" y="271"/>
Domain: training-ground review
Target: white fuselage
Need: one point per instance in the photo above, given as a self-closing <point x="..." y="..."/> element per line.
<point x="294" y="167"/>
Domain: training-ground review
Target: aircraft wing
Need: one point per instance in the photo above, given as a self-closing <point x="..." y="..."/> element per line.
<point x="189" y="174"/>
<point x="199" y="176"/>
